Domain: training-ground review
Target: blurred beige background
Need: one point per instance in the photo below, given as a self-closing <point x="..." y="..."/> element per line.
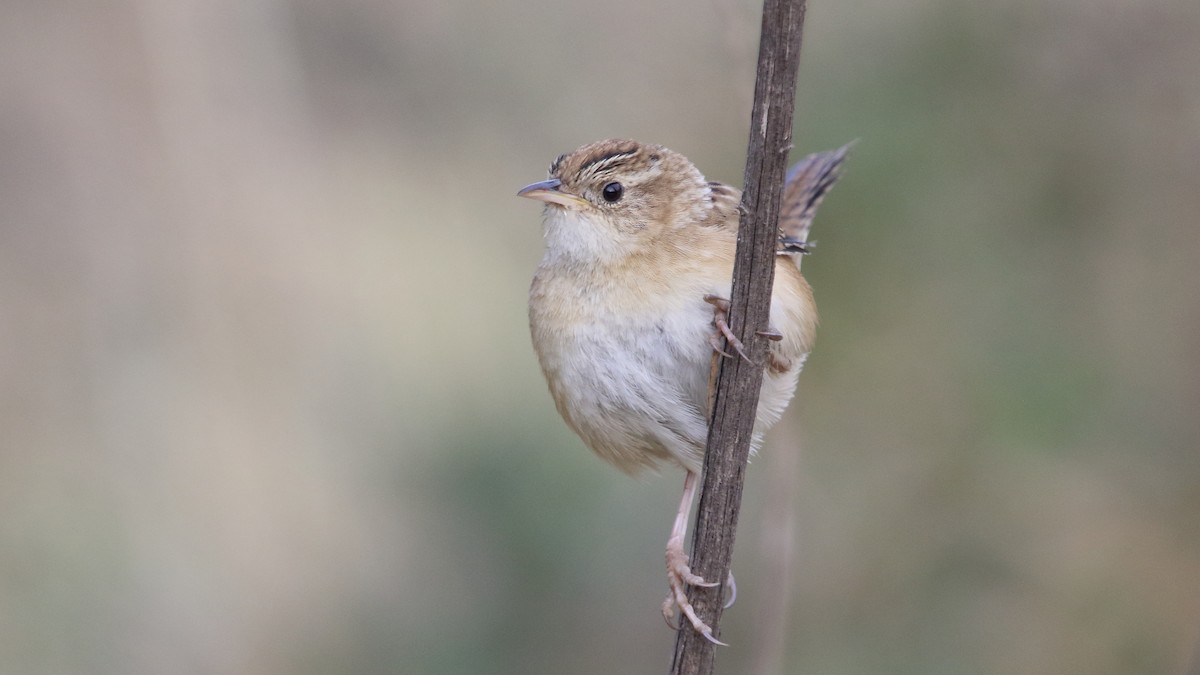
<point x="268" y="403"/>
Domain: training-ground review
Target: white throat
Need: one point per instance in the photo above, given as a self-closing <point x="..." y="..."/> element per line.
<point x="575" y="238"/>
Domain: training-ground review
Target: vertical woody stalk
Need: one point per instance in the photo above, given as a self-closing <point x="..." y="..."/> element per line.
<point x="737" y="386"/>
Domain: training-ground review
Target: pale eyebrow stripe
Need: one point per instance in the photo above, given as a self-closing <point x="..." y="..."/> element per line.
<point x="607" y="161"/>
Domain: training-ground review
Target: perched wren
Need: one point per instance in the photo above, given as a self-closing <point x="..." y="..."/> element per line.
<point x="629" y="303"/>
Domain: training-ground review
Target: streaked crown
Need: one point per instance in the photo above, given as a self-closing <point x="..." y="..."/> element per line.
<point x="640" y="184"/>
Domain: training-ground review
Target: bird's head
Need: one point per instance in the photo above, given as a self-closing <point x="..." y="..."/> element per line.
<point x="609" y="198"/>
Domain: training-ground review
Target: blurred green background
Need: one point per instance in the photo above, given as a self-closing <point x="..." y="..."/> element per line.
<point x="268" y="401"/>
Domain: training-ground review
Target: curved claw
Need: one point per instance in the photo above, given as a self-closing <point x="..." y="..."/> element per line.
<point x="668" y="609"/>
<point x="720" y="311"/>
<point x="716" y="345"/>
<point x="679" y="577"/>
<point x="737" y="344"/>
<point x="681" y="601"/>
<point x="731" y="584"/>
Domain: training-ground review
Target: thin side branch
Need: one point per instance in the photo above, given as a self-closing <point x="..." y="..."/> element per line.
<point x="738" y="380"/>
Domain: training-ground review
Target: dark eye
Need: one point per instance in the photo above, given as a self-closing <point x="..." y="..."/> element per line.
<point x="612" y="192"/>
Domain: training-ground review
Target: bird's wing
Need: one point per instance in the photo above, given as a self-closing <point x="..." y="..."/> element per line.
<point x="725" y="202"/>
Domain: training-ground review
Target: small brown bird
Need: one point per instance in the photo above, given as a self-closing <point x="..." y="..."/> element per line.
<point x="629" y="301"/>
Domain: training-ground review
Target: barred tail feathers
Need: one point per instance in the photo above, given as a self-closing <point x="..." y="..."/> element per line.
<point x="806" y="184"/>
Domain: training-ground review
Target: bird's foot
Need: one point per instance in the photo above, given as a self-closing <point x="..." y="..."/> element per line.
<point x="679" y="577"/>
<point x="720" y="316"/>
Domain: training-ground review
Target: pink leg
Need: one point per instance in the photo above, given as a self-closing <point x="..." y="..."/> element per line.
<point x="679" y="575"/>
<point x="720" y="314"/>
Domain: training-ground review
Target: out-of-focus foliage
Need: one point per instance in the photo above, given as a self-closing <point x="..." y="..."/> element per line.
<point x="268" y="404"/>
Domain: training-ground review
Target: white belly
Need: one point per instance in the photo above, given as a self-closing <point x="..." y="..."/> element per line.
<point x="634" y="387"/>
<point x="629" y="365"/>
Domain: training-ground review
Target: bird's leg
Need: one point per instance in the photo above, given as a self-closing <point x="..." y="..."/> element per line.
<point x="720" y="314"/>
<point x="679" y="575"/>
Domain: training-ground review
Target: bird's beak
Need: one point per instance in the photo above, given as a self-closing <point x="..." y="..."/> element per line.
<point x="548" y="191"/>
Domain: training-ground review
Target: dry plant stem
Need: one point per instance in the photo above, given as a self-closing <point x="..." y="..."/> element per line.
<point x="739" y="380"/>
